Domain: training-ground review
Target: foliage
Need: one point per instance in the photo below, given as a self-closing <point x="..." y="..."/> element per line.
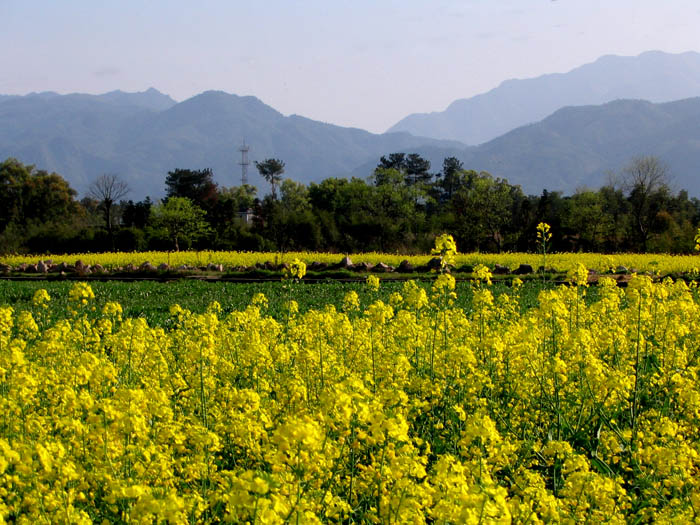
<point x="31" y="201"/>
<point x="196" y="185"/>
<point x="182" y="219"/>
<point x="400" y="208"/>
<point x="136" y="214"/>
<point x="271" y="170"/>
<point x="228" y="217"/>
<point x="483" y="209"/>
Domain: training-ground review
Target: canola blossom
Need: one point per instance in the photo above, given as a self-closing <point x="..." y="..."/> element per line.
<point x="295" y="270"/>
<point x="411" y="411"/>
<point x="372" y="282"/>
<point x="446" y="248"/>
<point x="544" y="233"/>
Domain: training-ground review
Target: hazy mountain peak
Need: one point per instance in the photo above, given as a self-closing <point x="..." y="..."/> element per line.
<point x="218" y="104"/>
<point x="654" y="75"/>
<point x="42" y="94"/>
<point x="150" y="99"/>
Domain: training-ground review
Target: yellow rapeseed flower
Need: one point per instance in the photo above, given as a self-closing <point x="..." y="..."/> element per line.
<point x="41" y="298"/>
<point x="373" y="282"/>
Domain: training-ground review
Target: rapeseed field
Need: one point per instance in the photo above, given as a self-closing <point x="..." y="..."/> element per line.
<point x="406" y="409"/>
<point x="652" y="262"/>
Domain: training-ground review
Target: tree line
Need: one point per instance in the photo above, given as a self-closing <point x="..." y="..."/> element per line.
<point x="400" y="207"/>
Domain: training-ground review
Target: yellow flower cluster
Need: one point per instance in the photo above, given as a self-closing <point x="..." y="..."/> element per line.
<point x="409" y="412"/>
<point x="80" y="294"/>
<point x="372" y="282"/>
<point x="41" y="298"/>
<point x="295" y="270"/>
<point x="544" y="233"/>
<point x="482" y="273"/>
<point x="446" y="248"/>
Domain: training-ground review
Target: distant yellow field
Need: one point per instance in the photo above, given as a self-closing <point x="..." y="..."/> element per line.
<point x="561" y="261"/>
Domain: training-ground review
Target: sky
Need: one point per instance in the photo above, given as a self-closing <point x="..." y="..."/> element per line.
<point x="365" y="63"/>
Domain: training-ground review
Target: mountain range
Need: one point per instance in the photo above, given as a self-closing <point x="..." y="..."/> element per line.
<point x="142" y="136"/>
<point x="654" y="76"/>
<point x="580" y="146"/>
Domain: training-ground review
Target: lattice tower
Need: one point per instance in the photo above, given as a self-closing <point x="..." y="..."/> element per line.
<point x="244" y="149"/>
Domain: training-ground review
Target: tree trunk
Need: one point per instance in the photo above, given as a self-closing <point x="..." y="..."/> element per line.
<point x="108" y="220"/>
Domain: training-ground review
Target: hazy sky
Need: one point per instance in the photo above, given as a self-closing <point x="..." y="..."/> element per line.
<point x="365" y="63"/>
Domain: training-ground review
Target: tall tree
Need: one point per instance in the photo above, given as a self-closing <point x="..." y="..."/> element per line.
<point x="271" y="170"/>
<point x="196" y="185"/>
<point x="417" y="170"/>
<point x="616" y="209"/>
<point x="483" y="212"/>
<point x="396" y="161"/>
<point x="136" y="214"/>
<point x="181" y="218"/>
<point x="289" y="221"/>
<point x="390" y="170"/>
<point x="417" y="176"/>
<point x="586" y="219"/>
<point x="413" y="168"/>
<point x="451" y="168"/>
<point x="230" y="218"/>
<point x="388" y="177"/>
<point x="29" y="196"/>
<point x="107" y="189"/>
<point x="232" y="202"/>
<point x="34" y="204"/>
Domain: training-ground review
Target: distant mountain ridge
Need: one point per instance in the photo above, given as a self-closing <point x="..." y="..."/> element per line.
<point x="149" y="99"/>
<point x="141" y="136"/>
<point x="654" y="76"/>
<point x="579" y="146"/>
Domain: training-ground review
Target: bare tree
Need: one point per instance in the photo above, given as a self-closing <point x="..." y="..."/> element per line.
<point x="645" y="180"/>
<point x="108" y="189"/>
<point x="647" y="174"/>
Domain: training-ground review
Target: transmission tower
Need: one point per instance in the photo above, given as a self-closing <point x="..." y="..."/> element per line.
<point x="244" y="149"/>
